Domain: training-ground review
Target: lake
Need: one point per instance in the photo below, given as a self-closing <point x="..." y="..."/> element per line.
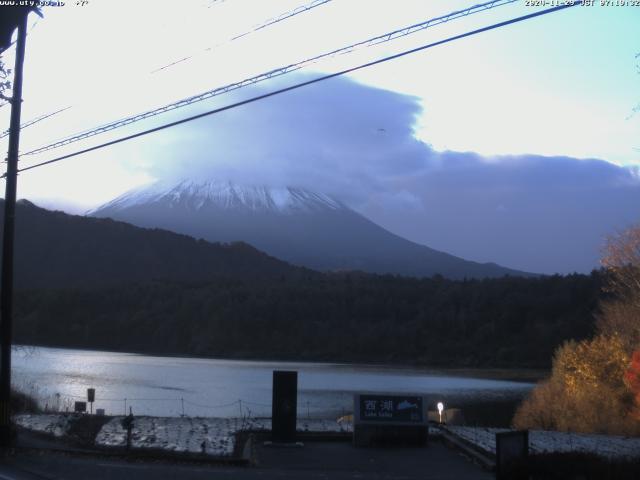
<point x="172" y="386"/>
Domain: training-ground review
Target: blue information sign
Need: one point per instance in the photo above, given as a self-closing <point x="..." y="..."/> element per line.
<point x="391" y="408"/>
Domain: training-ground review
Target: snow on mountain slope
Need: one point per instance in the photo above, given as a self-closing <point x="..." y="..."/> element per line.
<point x="293" y="224"/>
<point x="225" y="195"/>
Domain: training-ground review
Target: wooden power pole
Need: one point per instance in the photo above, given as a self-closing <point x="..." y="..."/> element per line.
<point x="6" y="278"/>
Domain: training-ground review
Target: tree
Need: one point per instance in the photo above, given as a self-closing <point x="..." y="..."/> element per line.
<point x="586" y="392"/>
<point x="622" y="262"/>
<point x="595" y="384"/>
<point x="5" y="83"/>
<point x="632" y="377"/>
<point x="620" y="314"/>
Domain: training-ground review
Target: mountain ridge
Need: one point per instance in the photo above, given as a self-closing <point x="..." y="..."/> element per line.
<point x="55" y="249"/>
<point x="299" y="226"/>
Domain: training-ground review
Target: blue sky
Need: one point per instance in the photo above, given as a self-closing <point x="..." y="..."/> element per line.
<point x="517" y="146"/>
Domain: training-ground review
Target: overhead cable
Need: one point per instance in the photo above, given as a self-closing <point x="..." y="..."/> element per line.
<point x="272" y="21"/>
<point x="269" y="75"/>
<point x="303" y="84"/>
<point x="35" y="120"/>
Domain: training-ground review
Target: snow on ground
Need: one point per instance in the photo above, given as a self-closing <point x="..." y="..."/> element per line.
<point x="188" y="434"/>
<point x="53" y="424"/>
<point x="216" y="436"/>
<point x="213" y="436"/>
<point x="607" y="446"/>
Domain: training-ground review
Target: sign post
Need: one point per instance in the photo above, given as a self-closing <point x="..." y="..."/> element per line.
<point x="389" y="418"/>
<point x="91" y="397"/>
<point x="512" y="450"/>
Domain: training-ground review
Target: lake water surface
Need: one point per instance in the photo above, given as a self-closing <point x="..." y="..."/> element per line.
<point x="171" y="386"/>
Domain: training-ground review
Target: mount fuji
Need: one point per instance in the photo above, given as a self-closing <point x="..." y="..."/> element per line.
<point x="293" y="224"/>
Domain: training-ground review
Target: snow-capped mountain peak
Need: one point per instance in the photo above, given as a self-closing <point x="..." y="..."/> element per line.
<point x="293" y="224"/>
<point x="194" y="194"/>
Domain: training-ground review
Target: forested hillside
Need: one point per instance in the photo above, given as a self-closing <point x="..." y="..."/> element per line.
<point x="54" y="249"/>
<point x="96" y="283"/>
<point x="336" y="317"/>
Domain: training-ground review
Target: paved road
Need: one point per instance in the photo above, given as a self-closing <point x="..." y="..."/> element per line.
<point x="316" y="460"/>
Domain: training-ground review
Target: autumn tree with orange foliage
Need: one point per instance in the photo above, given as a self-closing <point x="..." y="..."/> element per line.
<point x="595" y="384"/>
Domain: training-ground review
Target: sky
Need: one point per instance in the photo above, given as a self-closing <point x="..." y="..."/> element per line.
<point x="517" y="146"/>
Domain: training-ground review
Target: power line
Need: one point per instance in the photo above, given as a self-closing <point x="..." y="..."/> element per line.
<point x="283" y="16"/>
<point x="35" y="120"/>
<point x="309" y="82"/>
<point x="272" y="74"/>
<point x="272" y="21"/>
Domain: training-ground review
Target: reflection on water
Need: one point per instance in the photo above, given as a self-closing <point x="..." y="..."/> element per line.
<point x="171" y="386"/>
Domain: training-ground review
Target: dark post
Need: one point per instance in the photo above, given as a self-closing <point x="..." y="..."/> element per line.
<point x="91" y="397"/>
<point x="6" y="292"/>
<point x="284" y="406"/>
<point x="512" y="451"/>
<point x="127" y="423"/>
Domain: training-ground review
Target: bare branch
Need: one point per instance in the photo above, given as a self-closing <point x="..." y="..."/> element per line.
<point x="622" y="262"/>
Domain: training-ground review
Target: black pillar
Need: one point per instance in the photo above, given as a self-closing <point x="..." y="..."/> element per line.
<point x="284" y="406"/>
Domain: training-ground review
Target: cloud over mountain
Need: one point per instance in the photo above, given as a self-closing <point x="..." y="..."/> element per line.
<point x="357" y="143"/>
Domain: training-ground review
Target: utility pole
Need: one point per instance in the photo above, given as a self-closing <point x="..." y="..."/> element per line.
<point x="6" y="285"/>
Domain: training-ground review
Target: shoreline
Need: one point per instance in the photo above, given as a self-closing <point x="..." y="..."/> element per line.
<point x="511" y="374"/>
